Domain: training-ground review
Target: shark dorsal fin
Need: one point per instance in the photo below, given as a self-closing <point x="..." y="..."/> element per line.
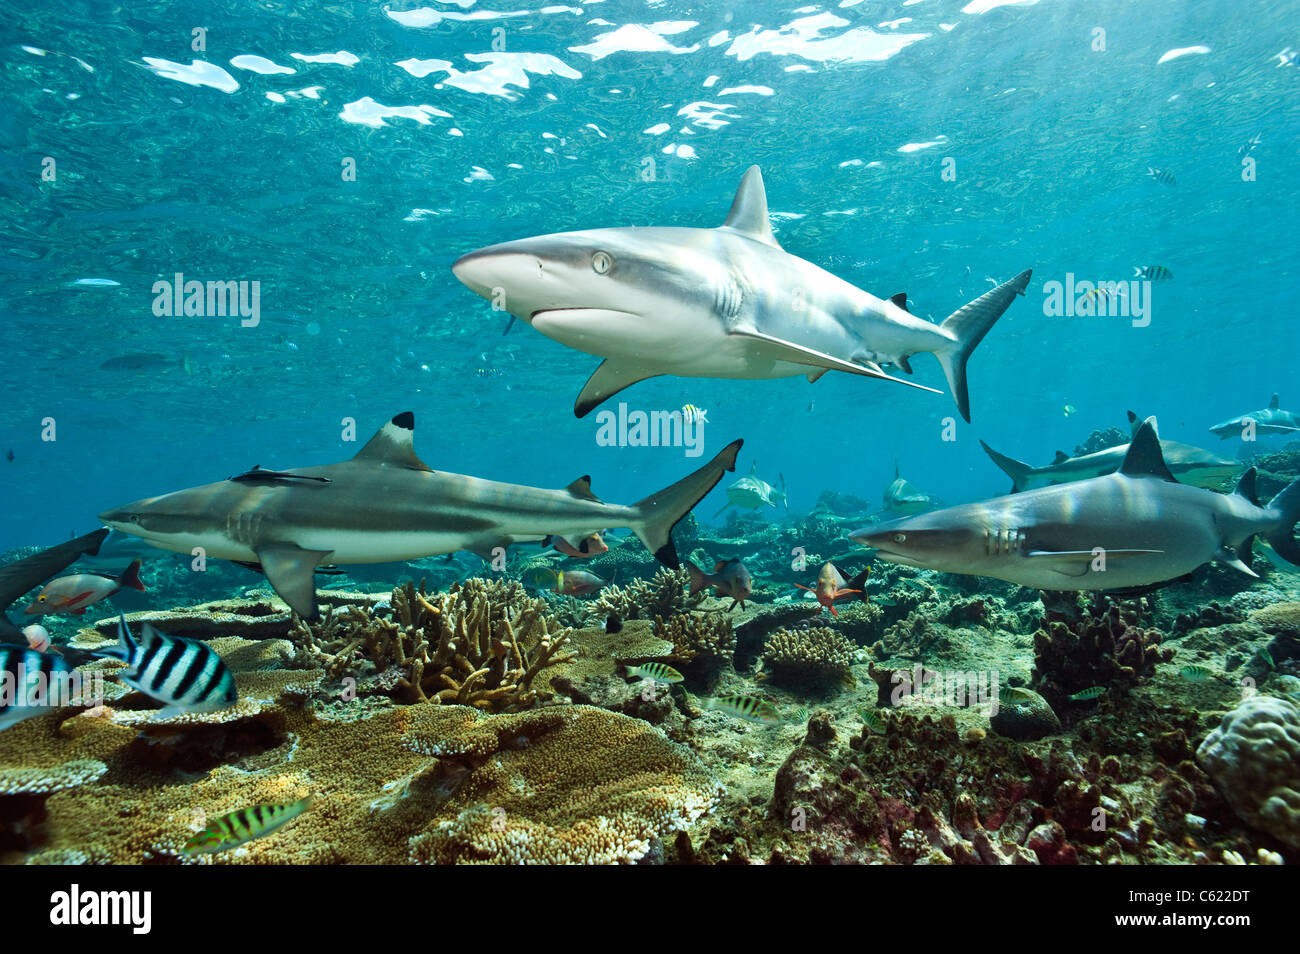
<point x="900" y="300"/>
<point x="748" y="213"/>
<point x="1273" y="405"/>
<point x="1246" y="487"/>
<point x="1144" y="458"/>
<point x="394" y="444"/>
<point x="1060" y="458"/>
<point x="1134" y="422"/>
<point x="581" y="488"/>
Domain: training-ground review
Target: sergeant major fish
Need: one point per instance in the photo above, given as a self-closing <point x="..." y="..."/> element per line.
<point x="186" y="675"/>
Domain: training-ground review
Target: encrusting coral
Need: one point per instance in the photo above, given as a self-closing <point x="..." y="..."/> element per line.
<point x="815" y="659"/>
<point x="482" y="644"/>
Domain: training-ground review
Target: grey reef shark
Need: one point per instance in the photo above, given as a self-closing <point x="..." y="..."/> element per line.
<point x="384" y="505"/>
<point x="724" y="302"/>
<point x="1132" y="530"/>
<point x="1191" y="465"/>
<point x="1269" y="420"/>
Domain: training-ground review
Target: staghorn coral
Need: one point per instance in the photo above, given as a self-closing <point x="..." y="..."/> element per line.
<point x="562" y="785"/>
<point x="662" y="595"/>
<point x="815" y="659"/>
<point x="481" y="644"/>
<point x="1254" y="758"/>
<point x="1101" y="645"/>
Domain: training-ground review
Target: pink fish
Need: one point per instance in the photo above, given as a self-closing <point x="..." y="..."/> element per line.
<point x="729" y="578"/>
<point x="587" y="547"/>
<point x="577" y="583"/>
<point x="832" y="588"/>
<point x="72" y="594"/>
<point x="38" y="638"/>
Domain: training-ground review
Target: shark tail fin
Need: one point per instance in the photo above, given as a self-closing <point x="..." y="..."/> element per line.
<point x="1286" y="508"/>
<point x="967" y="326"/>
<point x="659" y="513"/>
<point x="1018" y="471"/>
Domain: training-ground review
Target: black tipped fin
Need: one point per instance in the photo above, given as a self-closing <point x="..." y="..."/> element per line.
<point x="581" y="488"/>
<point x="1144" y="458"/>
<point x="1273" y="405"/>
<point x="900" y="300"/>
<point x="1246" y="487"/>
<point x="1060" y="458"/>
<point x="394" y="444"/>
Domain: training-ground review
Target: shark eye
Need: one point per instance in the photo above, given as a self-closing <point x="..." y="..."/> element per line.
<point x="900" y="537"/>
<point x="601" y="262"/>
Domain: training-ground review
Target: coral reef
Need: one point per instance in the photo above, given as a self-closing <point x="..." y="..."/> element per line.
<point x="662" y="595"/>
<point x="703" y="644"/>
<point x="1254" y="759"/>
<point x="482" y="644"/>
<point x="1101" y="645"/>
<point x="1025" y="716"/>
<point x="816" y="659"/>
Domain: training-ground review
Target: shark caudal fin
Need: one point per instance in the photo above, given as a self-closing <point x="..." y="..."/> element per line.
<point x="967" y="327"/>
<point x="660" y="512"/>
<point x="1018" y="472"/>
<point x="1286" y="508"/>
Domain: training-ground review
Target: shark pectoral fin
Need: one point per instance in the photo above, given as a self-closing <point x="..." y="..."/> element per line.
<point x="1233" y="560"/>
<point x="291" y="572"/>
<point x="1079" y="562"/>
<point x="814" y="375"/>
<point x="799" y="354"/>
<point x="607" y="380"/>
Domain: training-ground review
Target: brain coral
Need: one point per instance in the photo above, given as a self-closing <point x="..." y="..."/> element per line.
<point x="1254" y="759"/>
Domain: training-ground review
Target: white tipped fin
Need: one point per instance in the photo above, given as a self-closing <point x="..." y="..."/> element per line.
<point x="748" y="213"/>
<point x="799" y="354"/>
<point x="1231" y="559"/>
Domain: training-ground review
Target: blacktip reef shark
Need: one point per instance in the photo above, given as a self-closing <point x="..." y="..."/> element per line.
<point x="725" y="302"/>
<point x="1130" y="530"/>
<point x="19" y="577"/>
<point x="384" y="505"/>
<point x="1191" y="465"/>
<point x="1270" y="420"/>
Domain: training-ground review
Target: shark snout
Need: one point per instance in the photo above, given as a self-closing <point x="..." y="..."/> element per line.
<point x="498" y="270"/>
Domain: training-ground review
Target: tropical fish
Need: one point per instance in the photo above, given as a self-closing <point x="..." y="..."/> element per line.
<point x="753" y="492"/>
<point x="613" y="624"/>
<point x="1010" y="695"/>
<point x="655" y="672"/>
<point x="587" y="547"/>
<point x="1152" y="273"/>
<point x="749" y="708"/>
<point x="31" y="683"/>
<point x="1070" y="409"/>
<point x="1087" y="695"/>
<point x="729" y="578"/>
<point x="1191" y="465"/>
<point x="715" y="303"/>
<point x="1264" y="656"/>
<point x="1270" y="420"/>
<point x="694" y="415"/>
<point x="832" y="587"/>
<point x="186" y="675"/>
<point x="873" y="721"/>
<point x="38" y="637"/>
<point x="1195" y="673"/>
<point x="237" y="828"/>
<point x="386" y="505"/>
<point x="72" y="594"/>
<point x="567" y="582"/>
<point x="1163" y="176"/>
<point x="20" y="576"/>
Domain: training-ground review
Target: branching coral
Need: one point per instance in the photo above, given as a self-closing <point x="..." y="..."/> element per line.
<point x="1103" y="647"/>
<point x="703" y="644"/>
<point x="482" y="644"/>
<point x="662" y="595"/>
<point x="815" y="659"/>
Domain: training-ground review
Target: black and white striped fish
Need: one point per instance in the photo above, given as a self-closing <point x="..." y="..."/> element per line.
<point x="186" y="675"/>
<point x="1163" y="176"/>
<point x="31" y="683"/>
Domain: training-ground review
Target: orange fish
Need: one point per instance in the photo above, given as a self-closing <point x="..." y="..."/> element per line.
<point x="587" y="547"/>
<point x="832" y="588"/>
<point x="72" y="594"/>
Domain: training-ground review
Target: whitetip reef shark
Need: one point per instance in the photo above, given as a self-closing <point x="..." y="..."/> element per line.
<point x="724" y="302"/>
<point x="1191" y="465"/>
<point x="1133" y="529"/>
<point x="1269" y="420"/>
<point x="384" y="505"/>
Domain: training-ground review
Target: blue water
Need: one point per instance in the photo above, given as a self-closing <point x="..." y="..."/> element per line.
<point x="541" y="120"/>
